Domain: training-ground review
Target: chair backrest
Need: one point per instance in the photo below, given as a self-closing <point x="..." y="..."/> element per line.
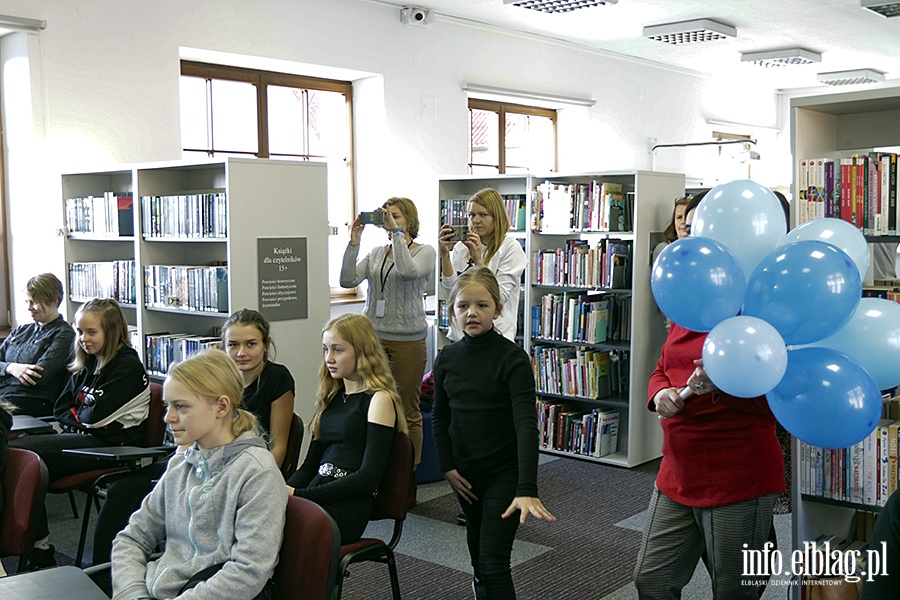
<point x="155" y="428"/>
<point x="295" y="440"/>
<point x="308" y="561"/>
<point x="24" y="486"/>
<point x="393" y="492"/>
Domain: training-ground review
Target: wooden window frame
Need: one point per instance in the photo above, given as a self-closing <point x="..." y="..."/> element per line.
<point x="502" y="108"/>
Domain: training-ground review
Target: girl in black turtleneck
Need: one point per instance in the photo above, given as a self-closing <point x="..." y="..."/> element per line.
<point x="485" y="430"/>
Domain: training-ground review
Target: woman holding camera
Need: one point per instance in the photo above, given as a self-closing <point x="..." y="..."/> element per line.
<point x="397" y="275"/>
<point x="486" y="245"/>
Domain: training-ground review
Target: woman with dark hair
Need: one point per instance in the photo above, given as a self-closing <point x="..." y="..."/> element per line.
<point x="34" y="356"/>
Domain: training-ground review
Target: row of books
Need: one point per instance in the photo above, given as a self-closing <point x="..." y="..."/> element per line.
<point x="185" y="216"/>
<point x="606" y="264"/>
<point x="593" y="206"/>
<point x="860" y="189"/>
<point x="591" y="318"/>
<point x="515" y="210"/>
<point x="594" y="433"/>
<point x="109" y="215"/>
<point x="865" y="473"/>
<point x="579" y="371"/>
<point x="454" y="211"/>
<point x="162" y="350"/>
<point x="189" y="288"/>
<point x="113" y="279"/>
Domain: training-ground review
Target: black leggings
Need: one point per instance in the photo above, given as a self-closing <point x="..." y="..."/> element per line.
<point x="490" y="538"/>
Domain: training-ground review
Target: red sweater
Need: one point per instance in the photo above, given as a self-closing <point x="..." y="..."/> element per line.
<point x="719" y="449"/>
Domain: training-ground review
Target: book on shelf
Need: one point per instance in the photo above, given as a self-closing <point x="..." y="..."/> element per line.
<point x="564" y="428"/>
<point x="572" y="371"/>
<point x="162" y="350"/>
<point x="587" y="206"/>
<point x="105" y="279"/>
<point x="109" y="215"/>
<point x="187" y="216"/>
<point x="189" y="288"/>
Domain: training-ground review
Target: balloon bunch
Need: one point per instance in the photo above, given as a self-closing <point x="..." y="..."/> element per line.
<point x="784" y="313"/>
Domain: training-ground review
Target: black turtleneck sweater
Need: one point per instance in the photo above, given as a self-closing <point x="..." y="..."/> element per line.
<point x="484" y="419"/>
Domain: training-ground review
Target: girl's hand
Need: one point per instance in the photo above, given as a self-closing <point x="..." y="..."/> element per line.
<point x="460" y="485"/>
<point x="290" y="490"/>
<point x="476" y="249"/>
<point x="668" y="402"/>
<point x="528" y="504"/>
<point x="389" y="223"/>
<point x="446" y="241"/>
<point x="356" y="229"/>
<point x="699" y="381"/>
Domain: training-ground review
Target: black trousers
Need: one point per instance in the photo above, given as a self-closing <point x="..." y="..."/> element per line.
<point x="489" y="537"/>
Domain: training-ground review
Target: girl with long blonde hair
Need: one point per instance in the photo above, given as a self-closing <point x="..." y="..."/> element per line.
<point x="357" y="412"/>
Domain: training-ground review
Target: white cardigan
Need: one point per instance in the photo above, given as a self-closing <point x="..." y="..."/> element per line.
<point x="507" y="265"/>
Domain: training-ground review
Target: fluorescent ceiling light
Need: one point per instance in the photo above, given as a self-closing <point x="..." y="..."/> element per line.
<point x="689" y="32"/>
<point x="557" y="6"/>
<point x="882" y="7"/>
<point x="851" y="77"/>
<point x="490" y="92"/>
<point x="19" y="24"/>
<point x="781" y="58"/>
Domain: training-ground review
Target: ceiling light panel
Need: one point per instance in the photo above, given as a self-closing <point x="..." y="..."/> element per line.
<point x="689" y="32"/>
<point x="557" y="6"/>
<point x="782" y="58"/>
<point x="851" y="77"/>
<point x="882" y="7"/>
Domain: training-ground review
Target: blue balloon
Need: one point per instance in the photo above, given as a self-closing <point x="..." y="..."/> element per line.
<point x="826" y="398"/>
<point x="872" y="338"/>
<point x="745" y="217"/>
<point x="807" y="290"/>
<point x="697" y="283"/>
<point x="744" y="356"/>
<point x="839" y="233"/>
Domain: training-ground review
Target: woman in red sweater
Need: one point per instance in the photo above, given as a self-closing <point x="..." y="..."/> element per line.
<point x="721" y="472"/>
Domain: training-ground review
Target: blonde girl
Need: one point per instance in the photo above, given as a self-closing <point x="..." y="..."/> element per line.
<point x="485" y="430"/>
<point x="487" y="245"/>
<point x="220" y="505"/>
<point x="357" y="412"/>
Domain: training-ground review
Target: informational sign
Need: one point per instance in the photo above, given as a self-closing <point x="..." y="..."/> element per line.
<point x="283" y="285"/>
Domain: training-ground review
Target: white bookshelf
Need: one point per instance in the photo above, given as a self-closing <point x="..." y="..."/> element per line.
<point x="640" y="436"/>
<point x="264" y="199"/>
<point x="831" y="126"/>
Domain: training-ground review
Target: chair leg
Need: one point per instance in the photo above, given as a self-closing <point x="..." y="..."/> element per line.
<point x="23" y="562"/>
<point x="339" y="584"/>
<point x="72" y="502"/>
<point x="392" y="569"/>
<point x="84" y="526"/>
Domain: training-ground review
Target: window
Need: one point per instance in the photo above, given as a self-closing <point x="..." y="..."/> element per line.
<point x="230" y="111"/>
<point x="526" y="141"/>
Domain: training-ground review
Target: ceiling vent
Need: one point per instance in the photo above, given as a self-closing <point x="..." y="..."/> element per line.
<point x="781" y="58"/>
<point x="882" y="7"/>
<point x="851" y="77"/>
<point x="557" y="6"/>
<point x="689" y="32"/>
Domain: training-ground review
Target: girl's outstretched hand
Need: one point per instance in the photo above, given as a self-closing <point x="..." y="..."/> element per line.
<point x="528" y="504"/>
<point x="460" y="485"/>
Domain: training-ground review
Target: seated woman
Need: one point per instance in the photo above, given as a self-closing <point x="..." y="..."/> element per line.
<point x="105" y="402"/>
<point x="268" y="395"/>
<point x="34" y="356"/>
<point x="357" y="412"/>
<point x="219" y="507"/>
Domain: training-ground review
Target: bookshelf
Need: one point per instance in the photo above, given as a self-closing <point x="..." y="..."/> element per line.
<point x="833" y="126"/>
<point x="257" y="199"/>
<point x="639" y="434"/>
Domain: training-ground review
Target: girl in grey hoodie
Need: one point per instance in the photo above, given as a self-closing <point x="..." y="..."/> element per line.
<point x="220" y="503"/>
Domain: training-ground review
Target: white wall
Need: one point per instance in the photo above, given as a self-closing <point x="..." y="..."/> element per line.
<point x="104" y="89"/>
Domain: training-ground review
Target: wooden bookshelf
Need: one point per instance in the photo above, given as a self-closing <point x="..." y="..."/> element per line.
<point x="639" y="437"/>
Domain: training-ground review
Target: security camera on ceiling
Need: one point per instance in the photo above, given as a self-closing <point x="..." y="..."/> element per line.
<point x="413" y="15"/>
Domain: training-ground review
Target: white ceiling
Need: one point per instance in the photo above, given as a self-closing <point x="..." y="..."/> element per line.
<point x="846" y="35"/>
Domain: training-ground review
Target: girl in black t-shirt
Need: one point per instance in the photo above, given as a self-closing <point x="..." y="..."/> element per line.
<point x="268" y="386"/>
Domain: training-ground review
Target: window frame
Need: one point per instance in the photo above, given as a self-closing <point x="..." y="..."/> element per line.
<point x="261" y="79"/>
<point x="501" y="108"/>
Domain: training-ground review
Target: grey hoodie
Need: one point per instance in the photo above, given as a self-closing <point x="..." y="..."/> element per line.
<point x="211" y="506"/>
